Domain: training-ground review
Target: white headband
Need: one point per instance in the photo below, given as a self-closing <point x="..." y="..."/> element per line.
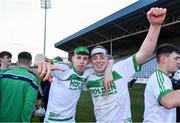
<point x="98" y="50"/>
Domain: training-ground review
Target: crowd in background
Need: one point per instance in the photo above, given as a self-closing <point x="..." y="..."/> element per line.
<point x="21" y="88"/>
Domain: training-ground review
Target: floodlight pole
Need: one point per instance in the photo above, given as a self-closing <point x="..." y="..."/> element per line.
<point x="44" y="49"/>
<point x="45" y="4"/>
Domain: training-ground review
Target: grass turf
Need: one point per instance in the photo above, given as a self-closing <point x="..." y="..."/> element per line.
<point x="85" y="106"/>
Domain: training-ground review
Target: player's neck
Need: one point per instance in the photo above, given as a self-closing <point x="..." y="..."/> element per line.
<point x="99" y="73"/>
<point x="163" y="69"/>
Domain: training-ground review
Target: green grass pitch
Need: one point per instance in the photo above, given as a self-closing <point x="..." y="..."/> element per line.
<point x="85" y="106"/>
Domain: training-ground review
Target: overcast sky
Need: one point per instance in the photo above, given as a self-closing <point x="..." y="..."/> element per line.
<point x="22" y="22"/>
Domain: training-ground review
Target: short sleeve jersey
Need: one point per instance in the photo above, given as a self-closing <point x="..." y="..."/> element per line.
<point x="64" y="94"/>
<point x="158" y="85"/>
<point x="114" y="105"/>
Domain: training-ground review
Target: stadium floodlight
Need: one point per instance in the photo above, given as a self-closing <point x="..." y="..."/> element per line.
<point x="45" y="4"/>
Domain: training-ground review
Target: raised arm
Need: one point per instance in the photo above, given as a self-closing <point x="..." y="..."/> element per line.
<point x="156" y="17"/>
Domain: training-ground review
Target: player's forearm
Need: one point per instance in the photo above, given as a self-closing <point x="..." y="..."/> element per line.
<point x="171" y="100"/>
<point x="149" y="44"/>
<point x="108" y="77"/>
<point x="109" y="66"/>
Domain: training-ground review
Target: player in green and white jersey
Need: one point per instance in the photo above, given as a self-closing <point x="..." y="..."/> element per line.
<point x="66" y="87"/>
<point x="160" y="98"/>
<point x="114" y="105"/>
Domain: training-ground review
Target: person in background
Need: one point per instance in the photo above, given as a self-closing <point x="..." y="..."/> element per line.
<point x="5" y="59"/>
<point x="57" y="59"/>
<point x="132" y="82"/>
<point x="160" y="98"/>
<point x="175" y="78"/>
<point x="18" y="91"/>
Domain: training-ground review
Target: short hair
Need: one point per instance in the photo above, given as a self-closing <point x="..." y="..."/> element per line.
<point x="5" y="53"/>
<point x="24" y="58"/>
<point x="166" y="49"/>
<point x="58" y="58"/>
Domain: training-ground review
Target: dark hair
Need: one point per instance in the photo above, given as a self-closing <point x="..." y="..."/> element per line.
<point x="24" y="58"/>
<point x="5" y="53"/>
<point x="166" y="49"/>
<point x="58" y="58"/>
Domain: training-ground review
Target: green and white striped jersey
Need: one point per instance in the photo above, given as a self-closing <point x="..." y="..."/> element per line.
<point x="158" y="85"/>
<point x="114" y="105"/>
<point x="64" y="94"/>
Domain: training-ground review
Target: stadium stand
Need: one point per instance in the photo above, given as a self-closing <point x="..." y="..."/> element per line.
<point x="122" y="33"/>
<point x="147" y="69"/>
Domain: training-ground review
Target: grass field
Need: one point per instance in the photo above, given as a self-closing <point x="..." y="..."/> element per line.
<point x="137" y="102"/>
<point x="85" y="106"/>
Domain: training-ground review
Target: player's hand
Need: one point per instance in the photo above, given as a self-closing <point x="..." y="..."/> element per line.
<point x="39" y="103"/>
<point x="108" y="77"/>
<point x="156" y="16"/>
<point x="108" y="80"/>
<point x="44" y="71"/>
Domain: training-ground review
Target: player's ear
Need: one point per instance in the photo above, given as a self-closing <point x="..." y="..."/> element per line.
<point x="30" y="63"/>
<point x="162" y="59"/>
<point x="72" y="59"/>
